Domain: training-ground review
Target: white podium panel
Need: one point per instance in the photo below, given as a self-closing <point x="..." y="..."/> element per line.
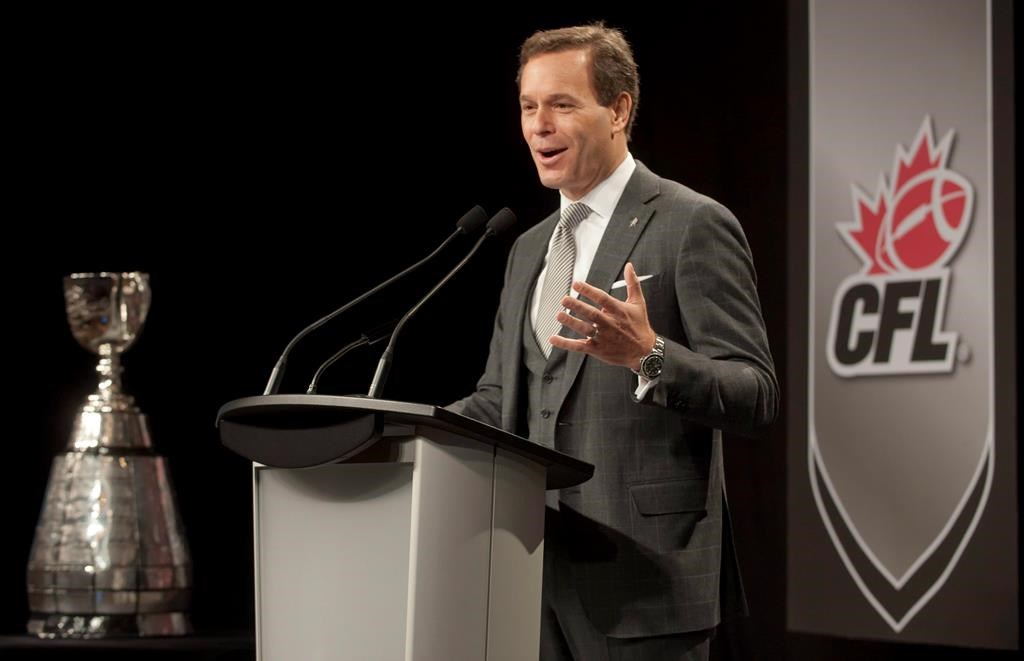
<point x="437" y="554"/>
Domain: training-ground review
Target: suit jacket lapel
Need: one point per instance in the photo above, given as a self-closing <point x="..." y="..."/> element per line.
<point x="624" y="229"/>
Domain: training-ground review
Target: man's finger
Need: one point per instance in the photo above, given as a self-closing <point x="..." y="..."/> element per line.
<point x="574" y="324"/>
<point x="581" y="346"/>
<point x="586" y="311"/>
<point x="602" y="298"/>
<point x="634" y="294"/>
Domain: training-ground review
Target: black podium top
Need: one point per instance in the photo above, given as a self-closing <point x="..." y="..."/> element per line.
<point x="301" y="431"/>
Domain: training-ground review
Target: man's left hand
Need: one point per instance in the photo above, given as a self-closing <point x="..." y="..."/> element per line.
<point x="616" y="332"/>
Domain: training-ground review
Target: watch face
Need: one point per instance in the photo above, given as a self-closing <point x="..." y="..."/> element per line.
<point x="651" y="367"/>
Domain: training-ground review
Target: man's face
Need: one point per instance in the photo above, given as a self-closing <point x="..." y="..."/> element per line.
<point x="576" y="142"/>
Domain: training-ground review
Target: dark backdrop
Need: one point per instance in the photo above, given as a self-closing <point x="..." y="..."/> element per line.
<point x="266" y="168"/>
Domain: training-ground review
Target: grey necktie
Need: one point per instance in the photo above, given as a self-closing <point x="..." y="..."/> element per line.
<point x="558" y="277"/>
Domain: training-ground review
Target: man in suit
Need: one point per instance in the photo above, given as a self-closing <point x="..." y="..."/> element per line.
<point x="628" y="333"/>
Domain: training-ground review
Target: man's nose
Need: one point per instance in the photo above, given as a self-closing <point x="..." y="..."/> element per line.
<point x="540" y="123"/>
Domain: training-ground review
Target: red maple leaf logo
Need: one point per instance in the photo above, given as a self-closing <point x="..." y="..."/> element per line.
<point x="920" y="220"/>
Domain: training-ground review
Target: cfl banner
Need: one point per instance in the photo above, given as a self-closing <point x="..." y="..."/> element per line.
<point x="902" y="494"/>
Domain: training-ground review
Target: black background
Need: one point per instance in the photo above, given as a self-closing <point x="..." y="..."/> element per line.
<point x="266" y="167"/>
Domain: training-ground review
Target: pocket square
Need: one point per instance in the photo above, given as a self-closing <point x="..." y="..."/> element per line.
<point x="622" y="283"/>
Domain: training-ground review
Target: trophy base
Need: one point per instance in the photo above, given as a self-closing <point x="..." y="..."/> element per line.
<point x="64" y="625"/>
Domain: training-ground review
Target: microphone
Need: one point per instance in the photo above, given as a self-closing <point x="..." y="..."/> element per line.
<point x="500" y="222"/>
<point x="370" y="337"/>
<point x="469" y="223"/>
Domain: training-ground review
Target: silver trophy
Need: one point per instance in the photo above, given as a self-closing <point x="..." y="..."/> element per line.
<point x="109" y="556"/>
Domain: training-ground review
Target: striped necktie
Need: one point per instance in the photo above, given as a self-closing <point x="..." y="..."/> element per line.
<point x="558" y="277"/>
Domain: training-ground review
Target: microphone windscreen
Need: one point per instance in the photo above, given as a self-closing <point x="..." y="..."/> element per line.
<point x="501" y="221"/>
<point x="473" y="220"/>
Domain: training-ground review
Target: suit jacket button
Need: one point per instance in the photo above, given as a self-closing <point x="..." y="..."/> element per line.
<point x="548" y="378"/>
<point x="545" y="414"/>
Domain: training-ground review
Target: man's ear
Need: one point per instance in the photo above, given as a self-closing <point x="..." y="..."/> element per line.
<point x="622" y="108"/>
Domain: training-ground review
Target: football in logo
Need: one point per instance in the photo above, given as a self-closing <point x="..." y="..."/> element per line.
<point x="927" y="222"/>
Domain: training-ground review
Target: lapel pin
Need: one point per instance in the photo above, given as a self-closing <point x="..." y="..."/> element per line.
<point x="632" y="223"/>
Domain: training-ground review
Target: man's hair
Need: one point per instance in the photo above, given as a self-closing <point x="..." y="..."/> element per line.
<point x="612" y="67"/>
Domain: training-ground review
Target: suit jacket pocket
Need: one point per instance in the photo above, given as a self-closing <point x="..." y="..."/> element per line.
<point x="668" y="512"/>
<point x="670" y="496"/>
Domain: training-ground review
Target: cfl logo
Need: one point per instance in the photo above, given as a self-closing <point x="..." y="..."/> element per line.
<point x="887" y="319"/>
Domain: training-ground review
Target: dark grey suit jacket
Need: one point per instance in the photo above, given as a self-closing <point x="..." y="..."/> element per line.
<point x="646" y="533"/>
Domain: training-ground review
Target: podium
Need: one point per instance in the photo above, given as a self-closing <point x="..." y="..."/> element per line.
<point x="393" y="530"/>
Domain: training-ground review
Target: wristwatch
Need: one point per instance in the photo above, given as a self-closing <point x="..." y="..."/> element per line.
<point x="651" y="364"/>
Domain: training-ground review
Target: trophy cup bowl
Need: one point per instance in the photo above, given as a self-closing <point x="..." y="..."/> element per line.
<point x="106" y="308"/>
<point x="109" y="557"/>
